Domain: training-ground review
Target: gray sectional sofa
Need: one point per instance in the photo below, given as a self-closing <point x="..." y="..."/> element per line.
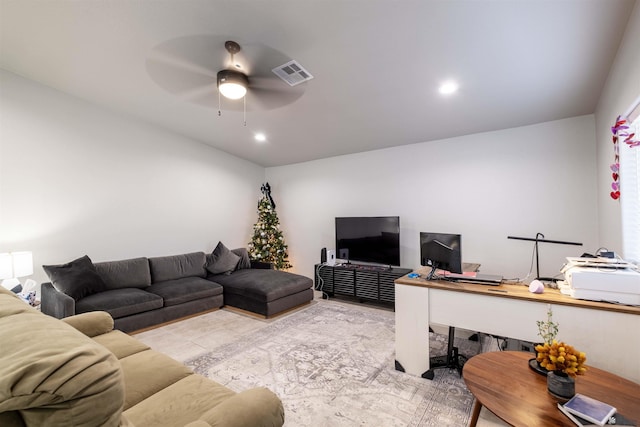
<point x="143" y="292"/>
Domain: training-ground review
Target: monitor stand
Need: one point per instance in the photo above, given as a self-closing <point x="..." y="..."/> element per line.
<point x="431" y="273"/>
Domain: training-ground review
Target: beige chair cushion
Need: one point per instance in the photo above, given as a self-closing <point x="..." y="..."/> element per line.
<point x="148" y="372"/>
<point x="91" y="324"/>
<point x="11" y="419"/>
<point x="266" y="410"/>
<point x="52" y="373"/>
<point x="120" y="344"/>
<point x="180" y="403"/>
<point x="197" y="401"/>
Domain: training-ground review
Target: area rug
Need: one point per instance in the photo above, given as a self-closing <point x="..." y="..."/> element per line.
<point x="332" y="364"/>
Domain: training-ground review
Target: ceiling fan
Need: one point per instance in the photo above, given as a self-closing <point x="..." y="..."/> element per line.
<point x="194" y="67"/>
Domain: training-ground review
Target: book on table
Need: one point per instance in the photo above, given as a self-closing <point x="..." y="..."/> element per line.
<point x="589" y="409"/>
<point x="617" y="419"/>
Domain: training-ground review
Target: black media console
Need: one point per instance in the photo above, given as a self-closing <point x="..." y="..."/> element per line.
<point x="363" y="282"/>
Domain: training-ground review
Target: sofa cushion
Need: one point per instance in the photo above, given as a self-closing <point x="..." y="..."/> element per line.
<point x="54" y="374"/>
<point x="148" y="372"/>
<point x="77" y="278"/>
<point x="262" y="285"/>
<point x="120" y="344"/>
<point x="177" y="266"/>
<point x="179" y="291"/>
<point x="222" y="260"/>
<point x="13" y="419"/>
<point x="128" y="273"/>
<point x="91" y="324"/>
<point x="120" y="302"/>
<point x="244" y="262"/>
<point x="266" y="410"/>
<point x="194" y="394"/>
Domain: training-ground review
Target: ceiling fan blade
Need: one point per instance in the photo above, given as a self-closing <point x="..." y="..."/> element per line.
<point x="204" y="95"/>
<point x="186" y="63"/>
<point x="188" y="66"/>
<point x="270" y="93"/>
<point x="176" y="77"/>
<point x="261" y="59"/>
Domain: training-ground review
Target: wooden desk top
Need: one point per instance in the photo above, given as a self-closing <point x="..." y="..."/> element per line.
<point x="503" y="382"/>
<point x="516" y="291"/>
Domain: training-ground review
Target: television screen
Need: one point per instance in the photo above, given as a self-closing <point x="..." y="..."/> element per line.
<point x="369" y="239"/>
<point x="441" y="250"/>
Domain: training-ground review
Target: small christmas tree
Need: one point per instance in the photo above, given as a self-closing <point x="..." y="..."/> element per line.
<point x="267" y="243"/>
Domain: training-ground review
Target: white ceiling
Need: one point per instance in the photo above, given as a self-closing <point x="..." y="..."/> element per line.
<point x="377" y="65"/>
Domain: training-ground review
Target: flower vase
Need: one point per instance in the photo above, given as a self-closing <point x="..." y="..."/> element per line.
<point x="561" y="385"/>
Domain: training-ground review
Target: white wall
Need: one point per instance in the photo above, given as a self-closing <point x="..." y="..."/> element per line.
<point x="77" y="179"/>
<point x="485" y="186"/>
<point x="621" y="89"/>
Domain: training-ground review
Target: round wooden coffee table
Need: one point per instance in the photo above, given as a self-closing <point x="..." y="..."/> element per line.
<point x="503" y="383"/>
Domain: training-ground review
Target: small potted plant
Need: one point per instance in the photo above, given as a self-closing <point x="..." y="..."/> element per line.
<point x="562" y="361"/>
<point x="547" y="330"/>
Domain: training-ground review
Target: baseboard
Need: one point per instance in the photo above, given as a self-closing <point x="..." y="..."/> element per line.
<point x="262" y="316"/>
<point x="169" y="322"/>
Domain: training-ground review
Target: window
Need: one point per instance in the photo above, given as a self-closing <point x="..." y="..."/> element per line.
<point x="630" y="199"/>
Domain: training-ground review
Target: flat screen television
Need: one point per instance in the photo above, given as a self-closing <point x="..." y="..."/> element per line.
<point x="369" y="239"/>
<point x="441" y="250"/>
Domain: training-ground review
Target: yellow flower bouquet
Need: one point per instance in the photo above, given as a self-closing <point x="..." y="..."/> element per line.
<point x="561" y="357"/>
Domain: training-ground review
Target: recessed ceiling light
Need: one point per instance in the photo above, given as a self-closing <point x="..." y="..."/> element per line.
<point x="260" y="137"/>
<point x="449" y="87"/>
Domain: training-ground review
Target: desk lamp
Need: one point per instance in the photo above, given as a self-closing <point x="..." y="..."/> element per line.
<point x="540" y="238"/>
<point x="14" y="265"/>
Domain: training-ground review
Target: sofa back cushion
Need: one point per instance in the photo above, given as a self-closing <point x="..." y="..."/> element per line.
<point x="128" y="273"/>
<point x="52" y="373"/>
<point x="177" y="266"/>
<point x="244" y="262"/>
<point x="77" y="278"/>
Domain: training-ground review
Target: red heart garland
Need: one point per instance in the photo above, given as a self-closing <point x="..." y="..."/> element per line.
<point x="615" y="176"/>
<point x="615" y="195"/>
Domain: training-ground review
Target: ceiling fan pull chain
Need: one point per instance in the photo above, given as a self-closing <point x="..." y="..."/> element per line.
<point x="219" y="111"/>
<point x="245" y="109"/>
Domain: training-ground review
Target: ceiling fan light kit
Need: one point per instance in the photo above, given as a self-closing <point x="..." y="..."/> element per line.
<point x="233" y="81"/>
<point x="232" y="84"/>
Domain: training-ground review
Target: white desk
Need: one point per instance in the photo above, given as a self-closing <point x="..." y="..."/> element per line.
<point x="609" y="334"/>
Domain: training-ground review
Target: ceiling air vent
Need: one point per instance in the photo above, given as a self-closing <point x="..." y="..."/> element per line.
<point x="292" y="73"/>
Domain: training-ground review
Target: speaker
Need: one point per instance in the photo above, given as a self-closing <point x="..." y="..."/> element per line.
<point x="323" y="255"/>
<point x="331" y="257"/>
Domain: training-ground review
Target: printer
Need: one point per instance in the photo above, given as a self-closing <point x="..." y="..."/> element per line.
<point x="602" y="279"/>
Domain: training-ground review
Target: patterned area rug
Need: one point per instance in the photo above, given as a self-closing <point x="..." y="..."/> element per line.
<point x="332" y="364"/>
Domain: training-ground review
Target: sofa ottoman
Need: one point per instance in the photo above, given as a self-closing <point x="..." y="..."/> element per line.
<point x="264" y="291"/>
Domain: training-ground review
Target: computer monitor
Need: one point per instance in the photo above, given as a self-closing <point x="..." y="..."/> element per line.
<point x="441" y="250"/>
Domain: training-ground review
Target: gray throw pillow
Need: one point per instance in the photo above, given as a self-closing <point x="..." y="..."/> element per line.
<point x="77" y="278"/>
<point x="222" y="260"/>
<point x="244" y="262"/>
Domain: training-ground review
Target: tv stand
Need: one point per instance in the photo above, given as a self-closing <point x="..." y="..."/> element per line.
<point x="365" y="282"/>
<point x="369" y="267"/>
